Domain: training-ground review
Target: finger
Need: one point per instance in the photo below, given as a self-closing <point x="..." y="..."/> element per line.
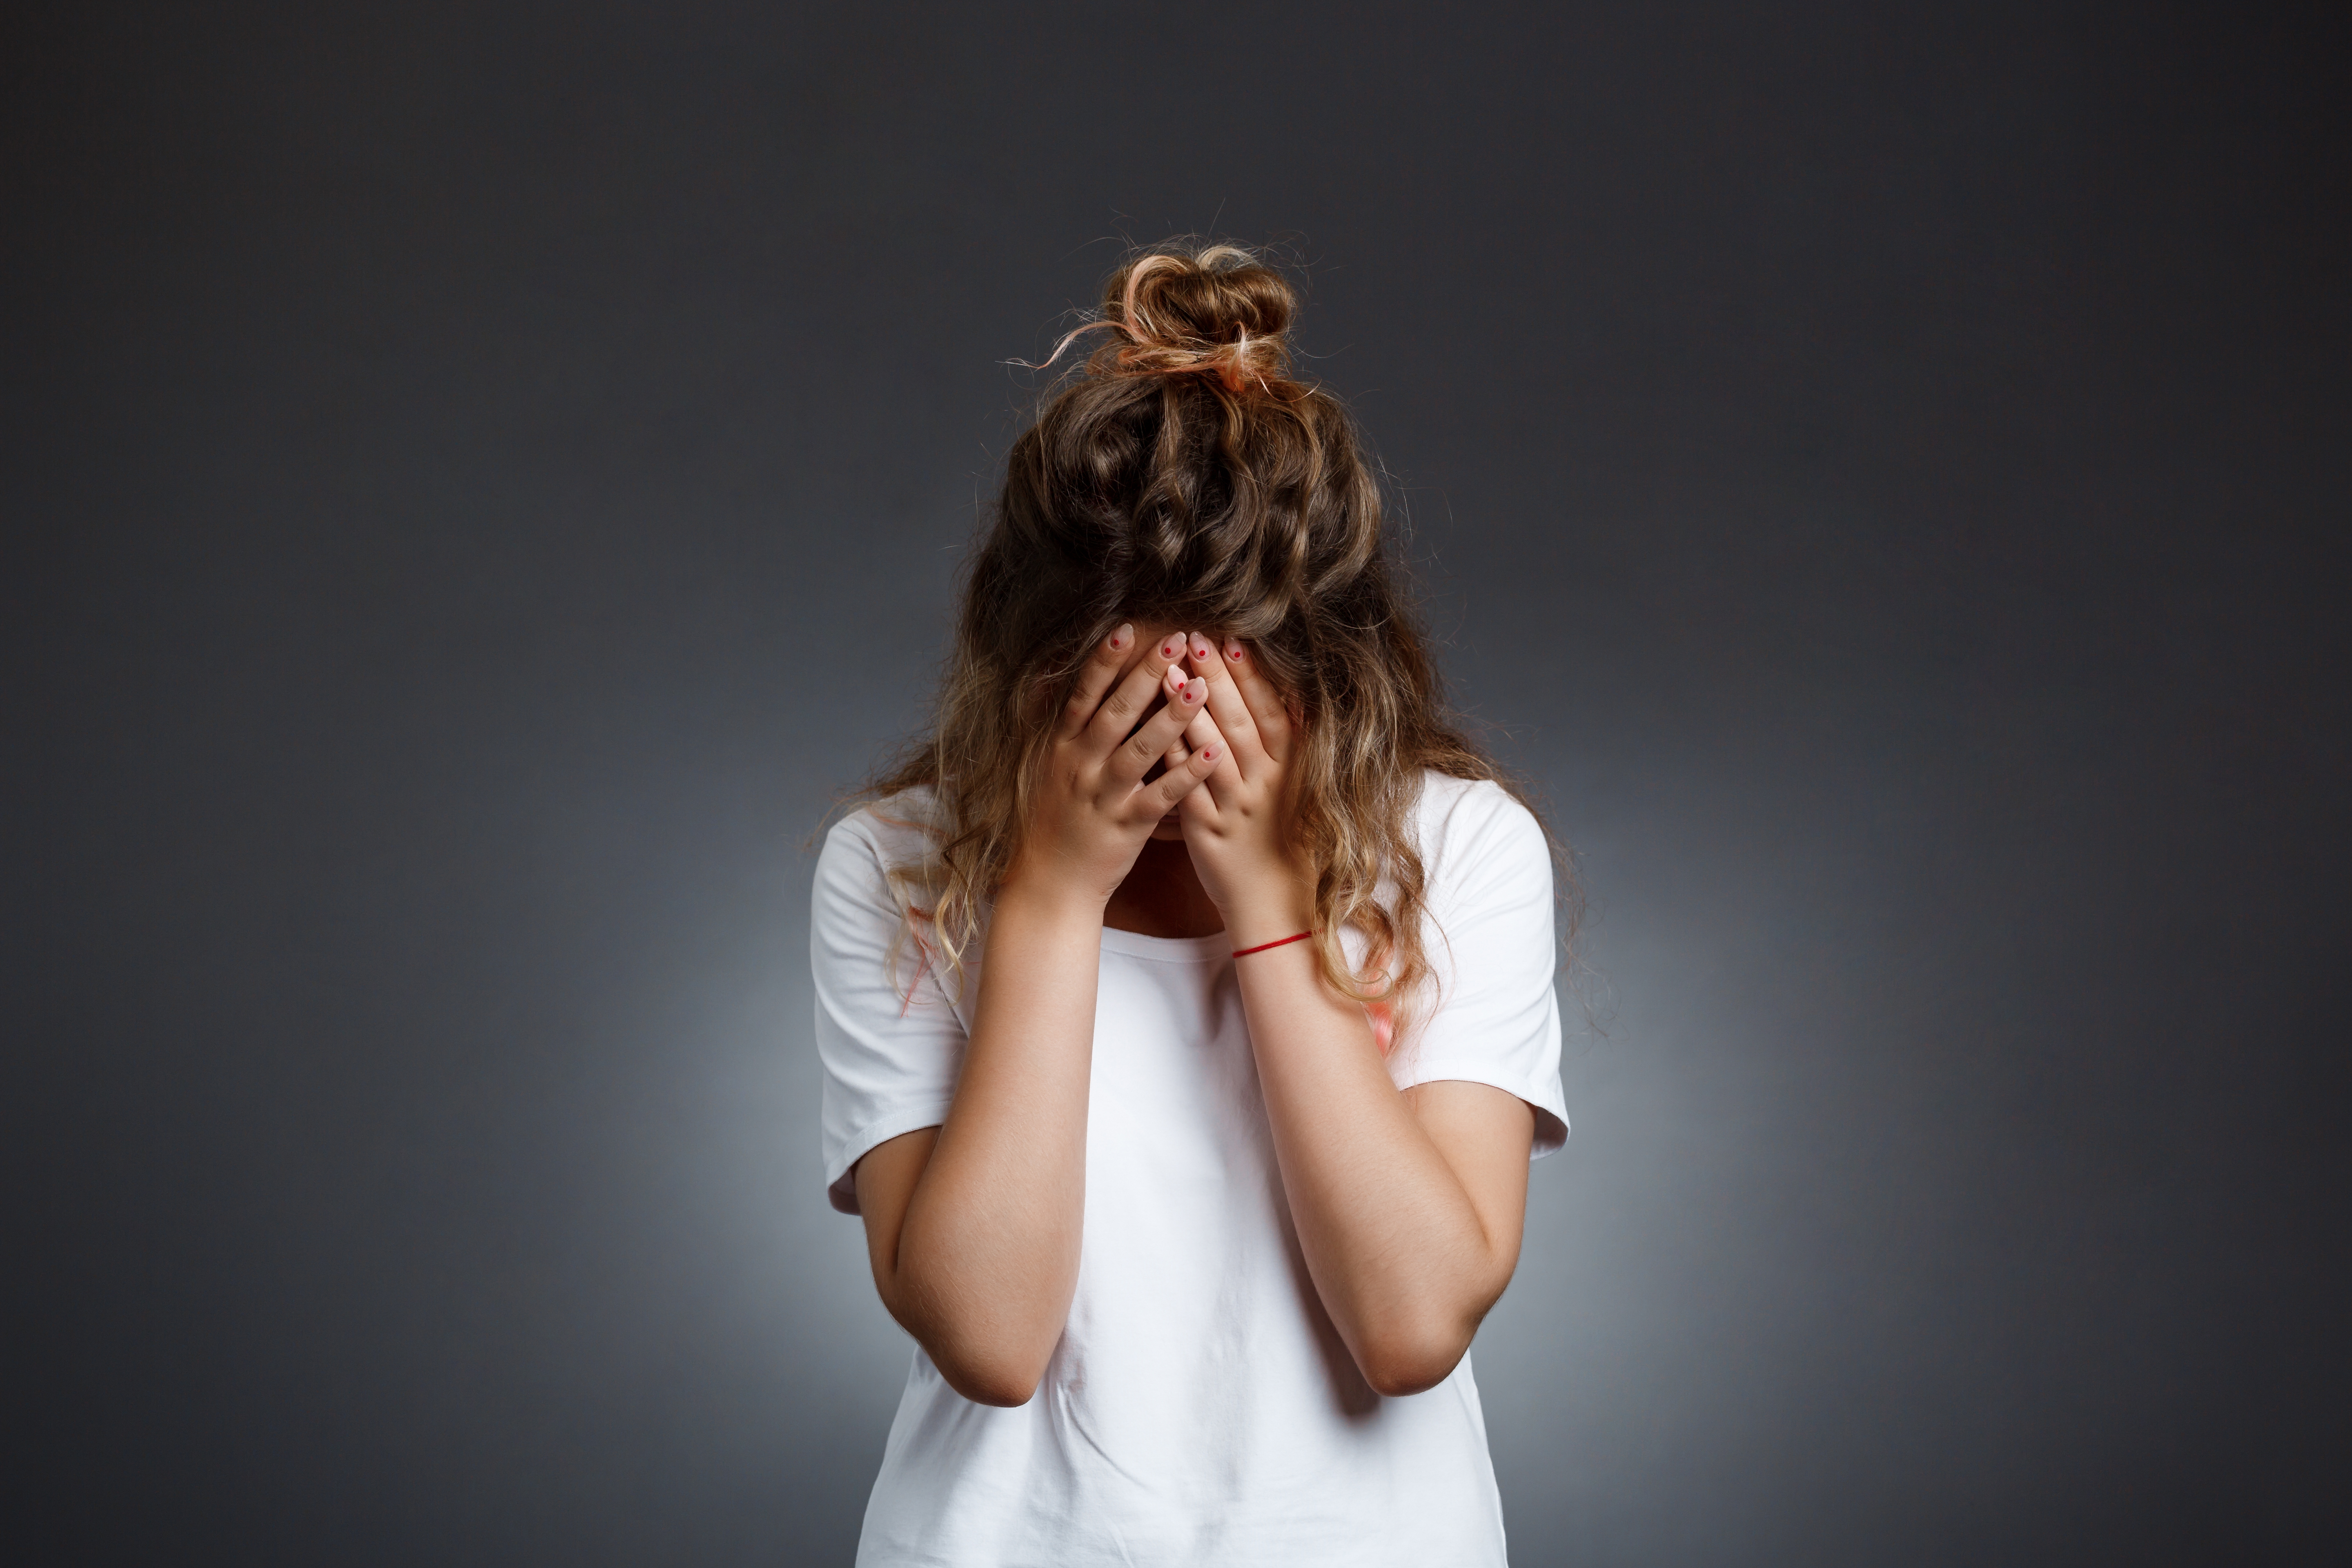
<point x="1175" y="786"/>
<point x="1224" y="704"/>
<point x="1266" y="709"/>
<point x="1127" y="703"/>
<point x="1200" y="735"/>
<point x="1132" y="761"/>
<point x="1173" y="757"/>
<point x="1101" y="669"/>
<point x="1188" y="746"/>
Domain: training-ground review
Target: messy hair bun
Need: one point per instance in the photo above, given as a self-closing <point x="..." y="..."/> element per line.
<point x="1182" y="479"/>
<point x="1218" y="311"/>
<point x="1182" y="476"/>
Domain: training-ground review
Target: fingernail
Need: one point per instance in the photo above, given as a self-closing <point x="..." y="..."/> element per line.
<point x="1209" y="753"/>
<point x="1193" y="689"/>
<point x="1168" y="649"/>
<point x="1234" y="649"/>
<point x="1200" y="647"/>
<point x="1119" y="638"/>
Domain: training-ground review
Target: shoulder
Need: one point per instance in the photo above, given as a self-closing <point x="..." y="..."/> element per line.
<point x="894" y="826"/>
<point x="1462" y="823"/>
<point x="882" y="847"/>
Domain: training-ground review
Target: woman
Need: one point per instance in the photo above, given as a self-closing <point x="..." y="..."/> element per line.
<point x="1186" y="1000"/>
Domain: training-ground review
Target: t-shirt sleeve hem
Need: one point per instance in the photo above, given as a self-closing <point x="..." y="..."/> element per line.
<point x="840" y="1171"/>
<point x="1544" y="1100"/>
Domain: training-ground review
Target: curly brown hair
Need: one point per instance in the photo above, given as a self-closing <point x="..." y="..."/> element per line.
<point x="1182" y="478"/>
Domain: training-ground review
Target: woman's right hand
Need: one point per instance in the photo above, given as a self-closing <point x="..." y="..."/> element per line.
<point x="974" y="1229"/>
<point x="1090" y="810"/>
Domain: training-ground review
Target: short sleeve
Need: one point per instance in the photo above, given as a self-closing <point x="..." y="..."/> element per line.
<point x="891" y="1050"/>
<point x="1492" y="946"/>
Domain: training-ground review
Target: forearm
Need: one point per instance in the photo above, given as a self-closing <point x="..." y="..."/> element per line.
<point x="1399" y="1253"/>
<point x="987" y="1254"/>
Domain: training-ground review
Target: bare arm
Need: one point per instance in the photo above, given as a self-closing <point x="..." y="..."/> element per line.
<point x="1408" y="1206"/>
<point x="973" y="1227"/>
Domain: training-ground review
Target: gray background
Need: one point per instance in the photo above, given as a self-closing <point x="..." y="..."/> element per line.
<point x="479" y="478"/>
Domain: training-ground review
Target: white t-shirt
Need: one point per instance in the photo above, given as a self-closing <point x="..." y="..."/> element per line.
<point x="1200" y="1408"/>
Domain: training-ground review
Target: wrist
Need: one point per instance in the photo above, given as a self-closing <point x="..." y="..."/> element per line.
<point x="1032" y="891"/>
<point x="1270" y="910"/>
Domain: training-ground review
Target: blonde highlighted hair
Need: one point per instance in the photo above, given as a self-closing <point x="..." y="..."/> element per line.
<point x="1182" y="478"/>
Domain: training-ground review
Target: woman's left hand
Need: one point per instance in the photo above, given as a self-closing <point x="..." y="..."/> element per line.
<point x="1238" y="824"/>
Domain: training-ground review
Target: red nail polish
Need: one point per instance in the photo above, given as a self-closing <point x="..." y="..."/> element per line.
<point x="1234" y="652"/>
<point x="1209" y="752"/>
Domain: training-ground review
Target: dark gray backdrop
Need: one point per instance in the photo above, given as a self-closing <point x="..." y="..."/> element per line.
<point x="479" y="477"/>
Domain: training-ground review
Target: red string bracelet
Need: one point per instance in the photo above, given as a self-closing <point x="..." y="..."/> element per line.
<point x="1278" y="941"/>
